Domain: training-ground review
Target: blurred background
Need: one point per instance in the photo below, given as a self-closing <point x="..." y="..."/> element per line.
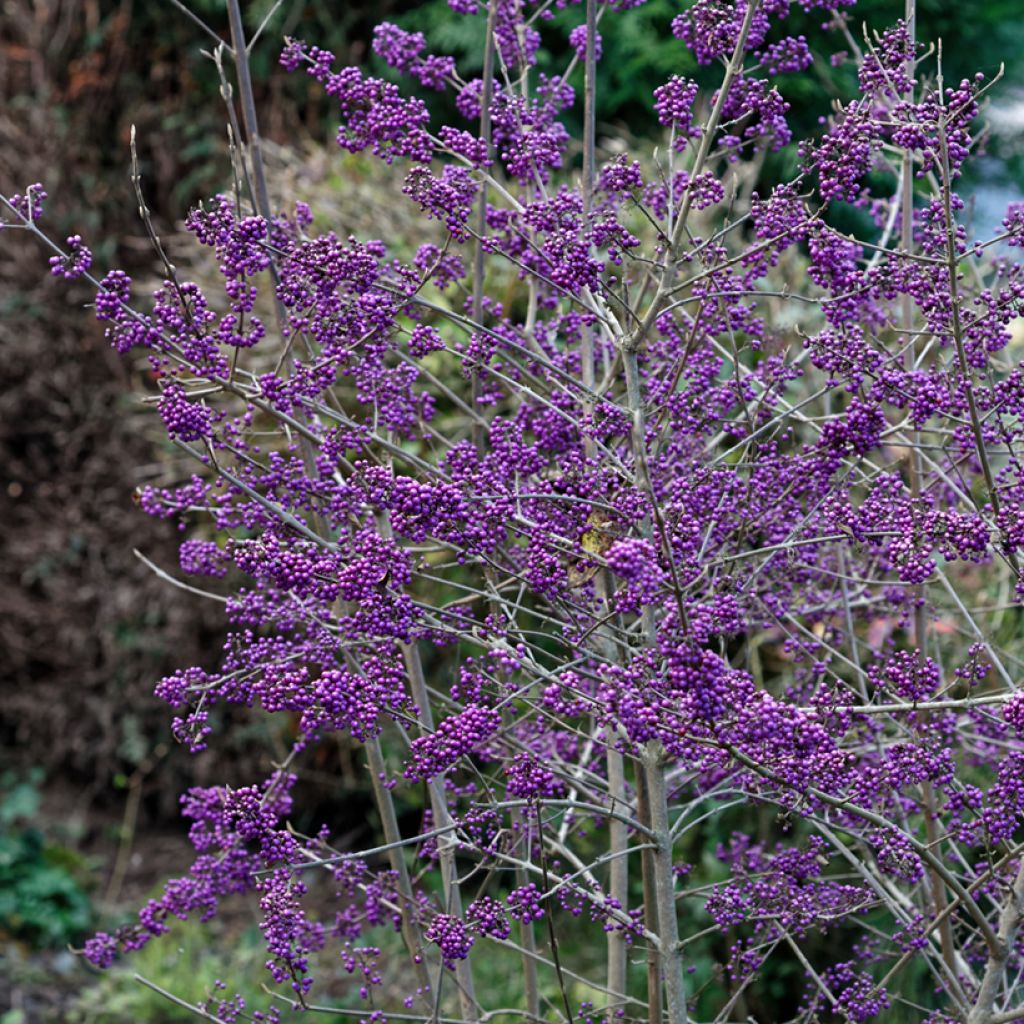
<point x="89" y="776"/>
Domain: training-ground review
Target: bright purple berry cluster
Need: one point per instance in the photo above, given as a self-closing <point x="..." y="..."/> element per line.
<point x="75" y="262"/>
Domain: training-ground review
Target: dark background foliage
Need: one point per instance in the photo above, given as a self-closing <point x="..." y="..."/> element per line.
<point x="85" y="628"/>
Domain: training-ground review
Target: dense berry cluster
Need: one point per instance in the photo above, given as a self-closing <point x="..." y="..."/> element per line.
<point x="451" y="937"/>
<point x="524" y="903"/>
<point x="25" y="207"/>
<point x="75" y="262"/>
<point x="455" y="737"/>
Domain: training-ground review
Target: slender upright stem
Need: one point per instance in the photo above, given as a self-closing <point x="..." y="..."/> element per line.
<point x="983" y="1011"/>
<point x="659" y="880"/>
<point x="486" y="99"/>
<point x="258" y="180"/>
<point x="936" y="887"/>
<point x="246" y="96"/>
<point x="389" y="821"/>
<point x="618" y="836"/>
<point x="952" y="263"/>
<point x="651" y="906"/>
<point x="670" y="955"/>
<point x="556" y="956"/>
<point x="618" y="873"/>
<point x="446" y="843"/>
<point x="527" y="940"/>
<point x="589" y="106"/>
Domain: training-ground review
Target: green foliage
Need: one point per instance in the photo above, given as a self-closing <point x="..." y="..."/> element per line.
<point x="640" y="54"/>
<point x="42" y="899"/>
<point x="189" y="961"/>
